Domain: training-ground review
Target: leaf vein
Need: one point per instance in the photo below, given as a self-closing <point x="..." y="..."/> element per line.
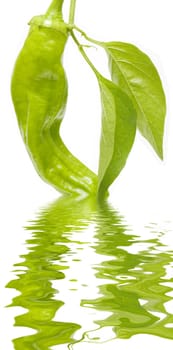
<point x="140" y="70"/>
<point x="133" y="94"/>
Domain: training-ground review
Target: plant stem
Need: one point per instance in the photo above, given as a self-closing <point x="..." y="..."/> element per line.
<point x="72" y="12"/>
<point x="55" y="9"/>
<point x="82" y="51"/>
<point x="99" y="43"/>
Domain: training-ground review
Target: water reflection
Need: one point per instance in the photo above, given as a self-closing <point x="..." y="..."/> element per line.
<point x="136" y="291"/>
<point x="88" y="278"/>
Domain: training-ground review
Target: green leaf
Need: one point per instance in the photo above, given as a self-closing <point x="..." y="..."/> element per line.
<point x="118" y="133"/>
<point x="134" y="72"/>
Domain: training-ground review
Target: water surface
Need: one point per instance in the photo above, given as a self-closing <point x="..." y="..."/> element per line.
<point x="87" y="277"/>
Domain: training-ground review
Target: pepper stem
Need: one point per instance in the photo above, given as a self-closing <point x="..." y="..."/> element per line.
<point x="72" y="12"/>
<point x="55" y="9"/>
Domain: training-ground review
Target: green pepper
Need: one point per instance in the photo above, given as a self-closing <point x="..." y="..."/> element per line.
<point x="39" y="93"/>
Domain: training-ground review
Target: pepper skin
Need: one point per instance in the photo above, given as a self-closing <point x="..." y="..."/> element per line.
<point x="39" y="94"/>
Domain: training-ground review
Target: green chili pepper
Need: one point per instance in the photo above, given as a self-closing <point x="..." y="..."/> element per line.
<point x="39" y="93"/>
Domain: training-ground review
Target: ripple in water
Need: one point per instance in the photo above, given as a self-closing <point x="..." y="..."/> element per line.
<point x="87" y="277"/>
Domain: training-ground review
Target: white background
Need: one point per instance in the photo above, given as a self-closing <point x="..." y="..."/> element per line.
<point x="144" y="191"/>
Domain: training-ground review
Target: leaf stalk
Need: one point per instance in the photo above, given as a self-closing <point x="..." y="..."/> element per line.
<point x="82" y="51"/>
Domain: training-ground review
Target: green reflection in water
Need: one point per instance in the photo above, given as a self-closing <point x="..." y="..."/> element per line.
<point x="137" y="291"/>
<point x="44" y="262"/>
<point x="131" y="282"/>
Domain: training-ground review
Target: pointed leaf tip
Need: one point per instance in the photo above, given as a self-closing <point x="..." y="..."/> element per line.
<point x="135" y="73"/>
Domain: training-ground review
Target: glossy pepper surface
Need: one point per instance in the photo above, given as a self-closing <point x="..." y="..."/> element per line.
<point x="39" y="93"/>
